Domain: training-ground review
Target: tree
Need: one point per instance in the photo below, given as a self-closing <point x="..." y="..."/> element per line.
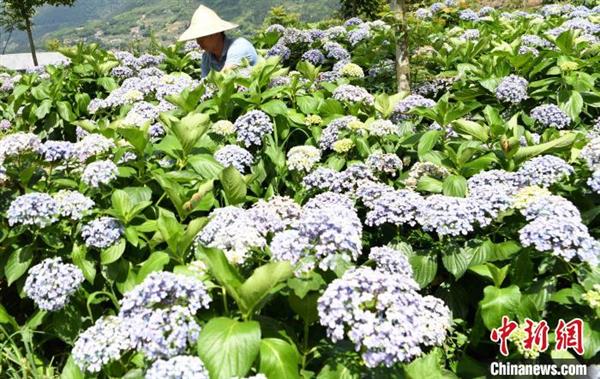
<point x="17" y="14"/>
<point x="398" y="7"/>
<point x="361" y="8"/>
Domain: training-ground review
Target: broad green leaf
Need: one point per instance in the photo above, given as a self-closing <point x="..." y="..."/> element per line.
<point x="429" y="184"/>
<point x="224" y="272"/>
<point x="591" y="338"/>
<point x="338" y="370"/>
<point x="427" y="142"/>
<point x="155" y="262"/>
<point x="573" y="106"/>
<point x="428" y="366"/>
<point x="113" y="253"/>
<point x="305" y="307"/>
<point x="43" y="109"/>
<point x="71" y="370"/>
<point x="498" y="302"/>
<point x="527" y="152"/>
<point x="307" y="104"/>
<point x="264" y="282"/>
<point x="6" y="318"/>
<point x="78" y="256"/>
<point x="228" y="347"/>
<point x="233" y="185"/>
<point x="471" y="128"/>
<point x="424" y="268"/>
<point x="65" y="111"/>
<point x="205" y="165"/>
<point x="274" y="108"/>
<point x="278" y="359"/>
<point x="455" y="185"/>
<point x="170" y="229"/>
<point x="456" y="260"/>
<point x="17" y="264"/>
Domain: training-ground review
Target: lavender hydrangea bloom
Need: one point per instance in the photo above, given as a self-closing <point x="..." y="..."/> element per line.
<point x="273" y="215"/>
<point x="55" y="151"/>
<point x="336" y="51"/>
<point x="179" y="367"/>
<point x="404" y="106"/>
<point x="322" y="178"/>
<point x="276" y="28"/>
<point x="594" y="182"/>
<point x="470" y="35"/>
<point x="564" y="237"/>
<point x="382" y="128"/>
<point x="447" y="215"/>
<point x="512" y="89"/>
<point x="141" y="113"/>
<point x="494" y="178"/>
<point x="99" y="172"/>
<point x="436" y="7"/>
<point x="423" y="13"/>
<point x="385" y="163"/>
<point x="314" y="56"/>
<point x="252" y="127"/>
<point x="92" y="145"/>
<point x="293" y="36"/>
<point x="524" y="50"/>
<point x="484" y="11"/>
<point x="586" y="26"/>
<point x="35" y="208"/>
<point x="331" y="132"/>
<point x="102" y="343"/>
<point x="5" y="125"/>
<point x="279" y="50"/>
<point x="490" y="201"/>
<point x="348" y="179"/>
<point x="233" y="155"/>
<point x="289" y="246"/>
<point x="391" y="260"/>
<point x="122" y="72"/>
<point x="232" y="230"/>
<point x="72" y="204"/>
<point x="102" y="232"/>
<point x="51" y="283"/>
<point x="549" y="115"/>
<point x="353" y="94"/>
<point x="544" y="171"/>
<point x="468" y="15"/>
<point x="532" y="40"/>
<point x="591" y="153"/>
<point x="16" y="144"/>
<point x="368" y="191"/>
<point x="397" y="207"/>
<point x="550" y="207"/>
<point x="382" y="314"/>
<point x="358" y="35"/>
<point x="165" y="289"/>
<point x="353" y="21"/>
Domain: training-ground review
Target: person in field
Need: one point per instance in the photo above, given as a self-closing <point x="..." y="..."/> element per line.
<point x="221" y="52"/>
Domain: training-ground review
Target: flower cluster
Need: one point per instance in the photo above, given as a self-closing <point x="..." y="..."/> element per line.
<point x="14" y="145"/>
<point x="403" y="108"/>
<point x="303" y="158"/>
<point x="314" y="56"/>
<point x="99" y="172"/>
<point x="550" y="116"/>
<point x="353" y="94"/>
<point x="252" y="127"/>
<point x="331" y="132"/>
<point x="544" y="171"/>
<point x="386" y="163"/>
<point x="51" y="283"/>
<point x="72" y="204"/>
<point x="179" y="367"/>
<point x="420" y="169"/>
<point x="36" y="208"/>
<point x="233" y="155"/>
<point x="102" y="232"/>
<point x="512" y="89"/>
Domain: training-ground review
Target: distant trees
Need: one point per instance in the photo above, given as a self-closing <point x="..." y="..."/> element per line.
<point x="17" y="14"/>
<point x="363" y="8"/>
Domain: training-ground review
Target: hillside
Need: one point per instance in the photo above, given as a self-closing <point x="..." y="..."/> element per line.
<point x="119" y="23"/>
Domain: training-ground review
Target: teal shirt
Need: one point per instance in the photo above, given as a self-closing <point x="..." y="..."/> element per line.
<point x="233" y="53"/>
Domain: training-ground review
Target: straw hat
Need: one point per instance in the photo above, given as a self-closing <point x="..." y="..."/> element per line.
<point x="204" y="23"/>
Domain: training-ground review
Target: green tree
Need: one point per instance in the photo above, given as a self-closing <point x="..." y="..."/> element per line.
<point x="17" y="14"/>
<point x="369" y="9"/>
<point x="279" y="15"/>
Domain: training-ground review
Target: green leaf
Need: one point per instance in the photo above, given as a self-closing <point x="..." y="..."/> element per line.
<point x="337" y="370"/>
<point x="456" y="260"/>
<point x="155" y="262"/>
<point x="113" y="253"/>
<point x="491" y="271"/>
<point x="136" y="137"/>
<point x="6" y="318"/>
<point x="121" y="203"/>
<point x="278" y="359"/>
<point x="65" y="111"/>
<point x="43" y="109"/>
<point x="429" y="184"/>
<point x="527" y="152"/>
<point x="498" y="302"/>
<point x="455" y="185"/>
<point x="170" y="229"/>
<point x="307" y="104"/>
<point x="228" y="347"/>
<point x="424" y="267"/>
<point x="274" y="108"/>
<point x="205" y="165"/>
<point x="224" y="272"/>
<point x="427" y="142"/>
<point x="305" y="307"/>
<point x="428" y="366"/>
<point x="17" y="264"/>
<point x="591" y="338"/>
<point x="233" y="185"/>
<point x="573" y="106"/>
<point x="264" y="282"/>
<point x="78" y="256"/>
<point x="471" y="128"/>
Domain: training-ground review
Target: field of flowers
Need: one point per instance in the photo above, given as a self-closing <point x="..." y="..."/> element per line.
<point x="299" y="219"/>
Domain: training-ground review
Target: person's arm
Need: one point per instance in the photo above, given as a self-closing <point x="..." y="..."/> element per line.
<point x="240" y="49"/>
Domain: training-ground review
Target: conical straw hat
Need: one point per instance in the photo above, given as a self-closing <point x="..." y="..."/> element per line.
<point x="204" y="23"/>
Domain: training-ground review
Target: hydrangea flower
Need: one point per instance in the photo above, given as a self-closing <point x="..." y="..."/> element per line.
<point x="19" y="143"/>
<point x="512" y="89"/>
<point x="524" y="50"/>
<point x="314" y="56"/>
<point x="51" y="283"/>
<point x="322" y="178"/>
<point x="385" y="163"/>
<point x="273" y="215"/>
<point x="470" y="35"/>
<point x="532" y="40"/>
<point x="223" y="128"/>
<point x="102" y="232"/>
<point x="233" y="155"/>
<point x="358" y="35"/>
<point x="288" y="245"/>
<point x="591" y="153"/>
<point x="404" y="106"/>
<point x="383" y="315"/>
<point x="348" y="179"/>
<point x="330" y="134"/>
<point x="447" y="215"/>
<point x="232" y="230"/>
<point x="549" y="115"/>
<point x="423" y="13"/>
<point x="102" y="343"/>
<point x="92" y="145"/>
<point x="275" y="28"/>
<point x="494" y="178"/>
<point x="397" y="207"/>
<point x="550" y="206"/>
<point x="353" y="94"/>
<point x="99" y="172"/>
<point x="303" y="158"/>
<point x="55" y="151"/>
<point x="544" y="171"/>
<point x="564" y="237"/>
<point x="5" y="125"/>
<point x="165" y="289"/>
<point x="420" y="169"/>
<point x="72" y="204"/>
<point x="381" y="128"/>
<point x="352" y="70"/>
<point x="594" y="182"/>
<point x="336" y="51"/>
<point x="252" y="127"/>
<point x="468" y="15"/>
<point x="391" y="260"/>
<point x="36" y="208"/>
<point x="179" y="367"/>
